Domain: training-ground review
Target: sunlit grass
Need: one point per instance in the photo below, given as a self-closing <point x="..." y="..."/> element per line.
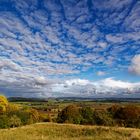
<point x="52" y="131"/>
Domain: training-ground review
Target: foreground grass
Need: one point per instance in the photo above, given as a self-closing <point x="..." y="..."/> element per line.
<point x="52" y="131"/>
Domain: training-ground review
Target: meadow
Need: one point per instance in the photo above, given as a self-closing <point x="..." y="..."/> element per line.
<point x="54" y="131"/>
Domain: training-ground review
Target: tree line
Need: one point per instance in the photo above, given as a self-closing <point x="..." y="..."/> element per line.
<point x="127" y="116"/>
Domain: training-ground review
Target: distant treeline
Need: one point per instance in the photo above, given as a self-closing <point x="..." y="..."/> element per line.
<point x="23" y="99"/>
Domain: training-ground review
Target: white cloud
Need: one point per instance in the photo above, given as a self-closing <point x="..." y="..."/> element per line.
<point x="110" y="82"/>
<point x="114" y="39"/>
<point x="101" y="73"/>
<point x="30" y="85"/>
<point x="77" y="82"/>
<point x="103" y="88"/>
<point x="135" y="65"/>
<point x="102" y="44"/>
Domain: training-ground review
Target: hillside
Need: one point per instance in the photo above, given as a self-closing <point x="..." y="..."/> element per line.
<point x="52" y="131"/>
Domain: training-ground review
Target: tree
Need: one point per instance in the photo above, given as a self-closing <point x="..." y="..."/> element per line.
<point x="87" y="115"/>
<point x="103" y="118"/>
<point x="70" y="114"/>
<point x="129" y="112"/>
<point x="128" y="116"/>
<point x="3" y="100"/>
<point x="3" y="103"/>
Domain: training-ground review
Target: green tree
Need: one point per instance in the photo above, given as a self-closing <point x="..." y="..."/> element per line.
<point x="103" y="118"/>
<point x="87" y="115"/>
<point x="70" y="114"/>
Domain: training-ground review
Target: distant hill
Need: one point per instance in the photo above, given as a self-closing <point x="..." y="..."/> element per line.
<point x="23" y="99"/>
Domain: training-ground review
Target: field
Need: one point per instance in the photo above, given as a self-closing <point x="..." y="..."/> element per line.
<point x="53" y="131"/>
<point x="33" y="127"/>
<point x="52" y="107"/>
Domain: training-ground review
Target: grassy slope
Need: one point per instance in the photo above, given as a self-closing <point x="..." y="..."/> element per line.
<point x="52" y="131"/>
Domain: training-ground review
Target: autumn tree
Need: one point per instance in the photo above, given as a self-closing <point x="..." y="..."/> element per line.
<point x="70" y="114"/>
<point x="3" y="103"/>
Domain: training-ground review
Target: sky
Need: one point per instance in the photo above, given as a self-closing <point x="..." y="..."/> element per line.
<point x="64" y="48"/>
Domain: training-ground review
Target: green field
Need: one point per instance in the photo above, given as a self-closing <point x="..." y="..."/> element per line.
<point x="53" y="131"/>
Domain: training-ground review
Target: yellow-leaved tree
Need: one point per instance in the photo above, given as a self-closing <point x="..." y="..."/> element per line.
<point x="3" y="103"/>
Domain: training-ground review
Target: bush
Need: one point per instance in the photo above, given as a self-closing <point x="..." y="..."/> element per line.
<point x="70" y="114"/>
<point x="4" y="121"/>
<point x="12" y="107"/>
<point x="23" y="115"/>
<point x="87" y="115"/>
<point x="2" y="108"/>
<point x="129" y="116"/>
<point x="113" y="109"/>
<point x="43" y="117"/>
<point x="14" y="121"/>
<point x="129" y="112"/>
<point x="103" y="118"/>
<point x="34" y="115"/>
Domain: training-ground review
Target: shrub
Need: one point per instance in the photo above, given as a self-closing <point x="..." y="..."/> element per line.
<point x="87" y="115"/>
<point x="103" y="118"/>
<point x="14" y="121"/>
<point x="4" y="121"/>
<point x="34" y="115"/>
<point x="2" y="108"/>
<point x="113" y="109"/>
<point x="12" y="107"/>
<point x="23" y="115"/>
<point x="129" y="116"/>
<point x="43" y="117"/>
<point x="70" y="114"/>
<point x="129" y="112"/>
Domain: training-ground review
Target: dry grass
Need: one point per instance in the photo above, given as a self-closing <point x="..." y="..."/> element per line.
<point x="52" y="131"/>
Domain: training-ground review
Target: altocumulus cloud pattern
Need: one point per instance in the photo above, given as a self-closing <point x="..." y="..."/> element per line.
<point x="52" y="48"/>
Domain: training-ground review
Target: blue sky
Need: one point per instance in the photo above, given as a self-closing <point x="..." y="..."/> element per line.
<point x="44" y="43"/>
